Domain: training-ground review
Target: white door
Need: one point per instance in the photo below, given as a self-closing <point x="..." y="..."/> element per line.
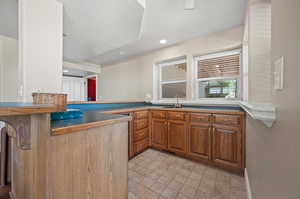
<point x="74" y="87"/>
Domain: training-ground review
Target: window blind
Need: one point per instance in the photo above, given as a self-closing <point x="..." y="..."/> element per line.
<point x="219" y="67"/>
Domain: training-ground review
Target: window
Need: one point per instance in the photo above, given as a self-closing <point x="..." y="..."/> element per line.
<point x="218" y="75"/>
<point x="172" y="79"/>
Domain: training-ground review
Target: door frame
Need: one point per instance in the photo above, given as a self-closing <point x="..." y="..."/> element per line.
<point x="86" y="85"/>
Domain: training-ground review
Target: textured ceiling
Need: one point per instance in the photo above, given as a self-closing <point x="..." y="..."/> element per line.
<point x="168" y="19"/>
<point x="96" y="26"/>
<point x="104" y="31"/>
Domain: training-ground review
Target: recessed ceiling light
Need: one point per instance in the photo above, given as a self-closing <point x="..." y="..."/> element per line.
<point x="65" y="71"/>
<point x="217" y="66"/>
<point x="163" y="41"/>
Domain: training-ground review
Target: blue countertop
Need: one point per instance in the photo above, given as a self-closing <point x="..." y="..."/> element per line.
<point x="94" y="112"/>
<point x="88" y="117"/>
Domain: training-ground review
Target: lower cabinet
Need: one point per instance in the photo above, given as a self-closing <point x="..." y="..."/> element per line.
<point x="140" y="146"/>
<point x="177" y="136"/>
<point x="140" y="138"/>
<point x="199" y="141"/>
<point x="214" y="138"/>
<point x="159" y="130"/>
<point x="227" y="146"/>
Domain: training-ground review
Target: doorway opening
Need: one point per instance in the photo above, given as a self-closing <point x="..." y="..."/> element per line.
<point x="91" y="88"/>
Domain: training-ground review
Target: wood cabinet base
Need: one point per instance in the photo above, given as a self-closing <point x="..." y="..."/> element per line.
<point x="87" y="164"/>
<point x="215" y="139"/>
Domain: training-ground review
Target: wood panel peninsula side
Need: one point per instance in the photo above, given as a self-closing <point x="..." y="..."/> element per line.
<point x="90" y="162"/>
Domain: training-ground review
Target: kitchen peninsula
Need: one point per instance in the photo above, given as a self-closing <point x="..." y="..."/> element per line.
<point x="90" y="162"/>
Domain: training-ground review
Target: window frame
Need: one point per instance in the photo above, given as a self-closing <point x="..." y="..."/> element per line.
<point x="238" y="78"/>
<point x="160" y="82"/>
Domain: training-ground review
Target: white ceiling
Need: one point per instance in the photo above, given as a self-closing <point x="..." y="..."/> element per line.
<point x="96" y="26"/>
<point x="98" y="30"/>
<point x="168" y="19"/>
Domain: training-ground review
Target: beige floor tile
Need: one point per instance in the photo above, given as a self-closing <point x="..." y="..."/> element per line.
<point x="180" y="178"/>
<point x="238" y="182"/>
<point x="207" y="186"/>
<point x="236" y="193"/>
<point x="194" y="183"/>
<point x="136" y="177"/>
<point x="188" y="191"/>
<point x="201" y="195"/>
<point x="181" y="196"/>
<point x="138" y="190"/>
<point x="220" y="192"/>
<point x="131" y="196"/>
<point x="153" y="175"/>
<point x="223" y="177"/>
<point x="148" y="182"/>
<point x="164" y="180"/>
<point x="169" y="193"/>
<point x="159" y="175"/>
<point x="196" y="176"/>
<point x="150" y="195"/>
<point x="158" y="187"/>
<point x="175" y="185"/>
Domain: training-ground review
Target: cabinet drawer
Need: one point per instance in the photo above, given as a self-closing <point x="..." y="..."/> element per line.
<point x="141" y="134"/>
<point x="176" y="115"/>
<point x="141" y="115"/>
<point x="159" y="114"/>
<point x="140" y="124"/>
<point x="140" y="146"/>
<point x="200" y="118"/>
<point x="227" y="119"/>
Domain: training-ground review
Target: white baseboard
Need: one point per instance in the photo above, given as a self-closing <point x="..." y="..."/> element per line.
<point x="248" y="187"/>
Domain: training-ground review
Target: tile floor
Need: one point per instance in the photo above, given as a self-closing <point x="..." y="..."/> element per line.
<point x="160" y="175"/>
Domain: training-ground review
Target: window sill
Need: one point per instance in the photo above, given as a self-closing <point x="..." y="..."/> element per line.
<point x="263" y="112"/>
<point x="208" y="102"/>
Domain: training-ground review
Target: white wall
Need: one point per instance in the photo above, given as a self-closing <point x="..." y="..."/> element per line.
<point x="9" y="18"/>
<point x="9" y="73"/>
<point x="273" y="153"/>
<point x="41" y="45"/>
<point x="259" y="44"/>
<point x="133" y="78"/>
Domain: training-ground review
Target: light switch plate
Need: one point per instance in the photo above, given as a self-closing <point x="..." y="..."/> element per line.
<point x="278" y="73"/>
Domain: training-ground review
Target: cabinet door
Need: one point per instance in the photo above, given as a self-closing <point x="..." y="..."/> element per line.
<point x="177" y="136"/>
<point x="199" y="141"/>
<point x="227" y="146"/>
<point x="159" y="133"/>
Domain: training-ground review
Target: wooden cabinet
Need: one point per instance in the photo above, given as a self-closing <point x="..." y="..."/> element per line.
<point x="172" y="115"/>
<point x="227" y="146"/>
<point x="159" y="114"/>
<point x="199" y="141"/>
<point x="140" y="138"/>
<point x="141" y="134"/>
<point x="140" y="124"/>
<point x="141" y="115"/>
<point x="199" y="136"/>
<point x="214" y="138"/>
<point x="140" y="146"/>
<point x="177" y="136"/>
<point x="159" y="129"/>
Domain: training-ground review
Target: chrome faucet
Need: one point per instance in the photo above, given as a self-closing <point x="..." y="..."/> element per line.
<point x="177" y="105"/>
